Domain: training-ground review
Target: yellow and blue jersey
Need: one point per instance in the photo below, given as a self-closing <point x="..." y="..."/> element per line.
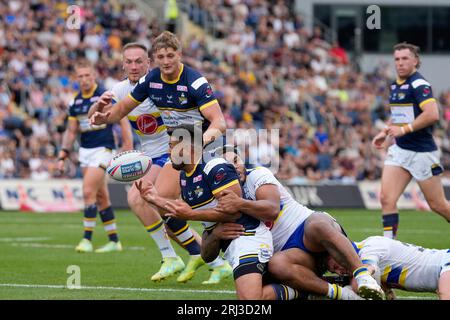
<point x="92" y="136"/>
<point x="179" y="101"/>
<point x="199" y="188"/>
<point x="406" y="101"/>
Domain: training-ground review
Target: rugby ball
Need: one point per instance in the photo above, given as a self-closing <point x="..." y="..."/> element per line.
<point x="129" y="166"/>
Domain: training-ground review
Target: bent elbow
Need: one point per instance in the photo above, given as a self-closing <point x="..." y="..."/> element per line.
<point x="273" y="214"/>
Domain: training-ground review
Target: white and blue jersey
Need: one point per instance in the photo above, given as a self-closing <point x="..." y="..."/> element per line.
<point x="146" y="122"/>
<point x="288" y="228"/>
<point x="406" y="101"/>
<point x="92" y="136"/>
<point x="403" y="265"/>
<point x="179" y="101"/>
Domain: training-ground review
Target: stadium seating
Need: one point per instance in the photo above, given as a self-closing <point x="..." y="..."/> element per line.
<point x="271" y="73"/>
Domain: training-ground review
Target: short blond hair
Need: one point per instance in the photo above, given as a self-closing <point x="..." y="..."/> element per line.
<point x="412" y="48"/>
<point x="132" y="45"/>
<point x="166" y="40"/>
<point x="83" y="63"/>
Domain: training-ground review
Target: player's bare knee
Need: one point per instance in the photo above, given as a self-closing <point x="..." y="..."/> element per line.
<point x="440" y="207"/>
<point x="89" y="195"/>
<point x="387" y="201"/>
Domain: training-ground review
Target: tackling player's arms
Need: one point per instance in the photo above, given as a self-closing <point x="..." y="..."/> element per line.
<point x="266" y="207"/>
<point x="181" y="210"/>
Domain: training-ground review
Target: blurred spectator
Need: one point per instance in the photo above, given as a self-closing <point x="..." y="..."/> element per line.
<point x="272" y="73"/>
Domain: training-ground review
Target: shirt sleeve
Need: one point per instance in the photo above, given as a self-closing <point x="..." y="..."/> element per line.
<point x="202" y="93"/>
<point x="221" y="176"/>
<point x="140" y="92"/>
<point x="422" y="92"/>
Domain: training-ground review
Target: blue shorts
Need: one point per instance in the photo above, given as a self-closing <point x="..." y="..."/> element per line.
<point x="161" y="160"/>
<point x="296" y="239"/>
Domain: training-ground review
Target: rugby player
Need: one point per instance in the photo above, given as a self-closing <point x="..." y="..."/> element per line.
<point x="295" y="229"/>
<point x="403" y="266"/>
<point x="203" y="182"/>
<point x="96" y="150"/>
<point x="146" y="122"/>
<point x="182" y="96"/>
<point x="414" y="154"/>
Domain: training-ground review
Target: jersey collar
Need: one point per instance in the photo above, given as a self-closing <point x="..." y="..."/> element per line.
<point x="176" y="79"/>
<point x="400" y="82"/>
<point x="90" y="93"/>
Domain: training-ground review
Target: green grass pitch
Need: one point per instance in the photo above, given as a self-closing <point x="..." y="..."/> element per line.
<point x="37" y="249"/>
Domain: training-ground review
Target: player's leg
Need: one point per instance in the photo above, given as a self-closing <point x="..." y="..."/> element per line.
<point x="444" y="284"/>
<point x="151" y="220"/>
<point x="434" y="194"/>
<point x="393" y="182"/>
<point x="294" y="267"/>
<point x="108" y="218"/>
<point x="249" y="287"/>
<point x="92" y="179"/>
<point x="323" y="233"/>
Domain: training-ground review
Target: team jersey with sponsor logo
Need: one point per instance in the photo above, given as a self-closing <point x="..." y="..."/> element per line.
<point x="406" y="101"/>
<point x="146" y="122"/>
<point x="199" y="187"/>
<point x="92" y="136"/>
<point x="403" y="265"/>
<point x="291" y="215"/>
<point x="180" y="101"/>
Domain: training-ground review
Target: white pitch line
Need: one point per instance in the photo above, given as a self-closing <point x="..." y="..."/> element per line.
<point x="35" y="286"/>
<point x="404" y="230"/>
<point x="61" y="246"/>
<point x="19" y="239"/>
<point x="47" y="286"/>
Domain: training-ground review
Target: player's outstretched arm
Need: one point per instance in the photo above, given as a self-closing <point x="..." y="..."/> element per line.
<point x="217" y="125"/>
<point x="266" y="207"/>
<point x="150" y="194"/>
<point x="127" y="137"/>
<point x="181" y="210"/>
<point x="103" y="104"/>
<point x="120" y="110"/>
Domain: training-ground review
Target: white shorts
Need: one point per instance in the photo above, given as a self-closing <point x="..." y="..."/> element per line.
<point x="421" y="165"/>
<point x="95" y="157"/>
<point x="253" y="248"/>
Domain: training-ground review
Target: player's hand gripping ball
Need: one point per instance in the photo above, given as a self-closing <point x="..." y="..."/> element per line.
<point x="129" y="166"/>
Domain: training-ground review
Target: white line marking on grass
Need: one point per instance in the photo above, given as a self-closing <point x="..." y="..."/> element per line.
<point x="61" y="246"/>
<point x="47" y="286"/>
<point x="35" y="286"/>
<point x="19" y="239"/>
<point x="404" y="230"/>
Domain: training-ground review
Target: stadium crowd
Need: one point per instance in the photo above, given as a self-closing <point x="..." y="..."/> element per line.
<point x="271" y="73"/>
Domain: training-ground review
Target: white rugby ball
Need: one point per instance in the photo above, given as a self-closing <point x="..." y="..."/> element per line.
<point x="129" y="166"/>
